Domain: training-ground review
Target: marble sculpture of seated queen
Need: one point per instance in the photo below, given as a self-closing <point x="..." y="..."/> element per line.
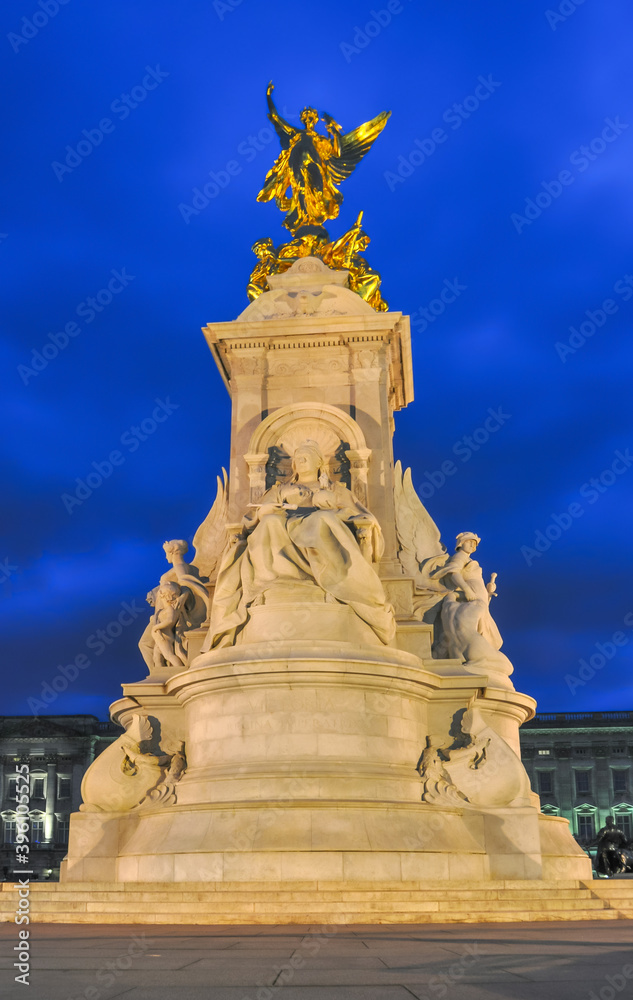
<point x="308" y="530"/>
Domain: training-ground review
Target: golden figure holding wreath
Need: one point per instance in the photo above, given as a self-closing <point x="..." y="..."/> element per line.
<point x="311" y="165"/>
<point x="303" y="182"/>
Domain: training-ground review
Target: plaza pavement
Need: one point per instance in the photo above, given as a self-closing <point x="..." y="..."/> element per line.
<point x="575" y="960"/>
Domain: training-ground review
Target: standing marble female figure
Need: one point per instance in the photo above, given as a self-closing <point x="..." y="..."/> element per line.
<point x="308" y="530"/>
<point x="468" y="630"/>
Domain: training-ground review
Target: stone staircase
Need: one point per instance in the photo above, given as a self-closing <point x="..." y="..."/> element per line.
<point x="320" y="902"/>
<point x="617" y="893"/>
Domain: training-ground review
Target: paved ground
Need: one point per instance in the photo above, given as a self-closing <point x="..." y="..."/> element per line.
<point x="548" y="961"/>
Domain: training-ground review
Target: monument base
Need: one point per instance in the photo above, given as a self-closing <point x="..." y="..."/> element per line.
<point x="305" y="764"/>
<point x="277" y="843"/>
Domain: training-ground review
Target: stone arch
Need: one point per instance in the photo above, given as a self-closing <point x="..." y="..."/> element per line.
<point x="340" y="437"/>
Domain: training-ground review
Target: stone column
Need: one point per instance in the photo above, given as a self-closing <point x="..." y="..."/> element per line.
<point x="369" y="366"/>
<point x="257" y="474"/>
<point x="248" y="393"/>
<point x="359" y="470"/>
<point x="51" y="799"/>
<point x="78" y="770"/>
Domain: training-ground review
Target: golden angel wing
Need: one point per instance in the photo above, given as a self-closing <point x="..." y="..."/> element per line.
<point x="209" y="539"/>
<point x="354" y="145"/>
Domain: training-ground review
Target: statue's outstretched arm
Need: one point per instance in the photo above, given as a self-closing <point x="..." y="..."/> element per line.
<point x="284" y="130"/>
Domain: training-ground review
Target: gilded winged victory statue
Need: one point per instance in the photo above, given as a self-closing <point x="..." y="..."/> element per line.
<point x="311" y="165"/>
<point x="303" y="182"/>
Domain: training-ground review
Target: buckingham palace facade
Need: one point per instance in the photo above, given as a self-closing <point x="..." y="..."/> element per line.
<point x="580" y="765"/>
<point x="53" y="752"/>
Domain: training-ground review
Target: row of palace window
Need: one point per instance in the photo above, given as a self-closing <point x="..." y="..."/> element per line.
<point x="38" y="787"/>
<point x="62" y="826"/>
<point x="585" y="819"/>
<point x="582" y="780"/>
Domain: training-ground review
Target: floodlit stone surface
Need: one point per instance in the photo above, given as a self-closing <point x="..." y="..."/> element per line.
<point x="344" y="712"/>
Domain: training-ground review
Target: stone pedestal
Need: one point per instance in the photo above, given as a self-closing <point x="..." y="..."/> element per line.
<point x="302" y="765"/>
<point x="305" y="736"/>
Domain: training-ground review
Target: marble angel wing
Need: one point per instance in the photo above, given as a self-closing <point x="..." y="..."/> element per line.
<point x="418" y="533"/>
<point x="209" y="539"/>
<point x="140" y="729"/>
<point x="354" y="145"/>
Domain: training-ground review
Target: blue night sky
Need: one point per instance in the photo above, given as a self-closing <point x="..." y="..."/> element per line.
<point x="504" y="173"/>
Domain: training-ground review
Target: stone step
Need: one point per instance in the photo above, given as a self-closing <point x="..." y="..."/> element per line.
<point x="327" y="902"/>
<point x="615" y="889"/>
<point x="308" y="918"/>
<point x="438" y="885"/>
<point x="316" y="905"/>
<point x="225" y="898"/>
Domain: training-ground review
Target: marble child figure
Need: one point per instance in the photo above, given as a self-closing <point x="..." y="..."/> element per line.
<point x="180" y="602"/>
<point x="306" y="530"/>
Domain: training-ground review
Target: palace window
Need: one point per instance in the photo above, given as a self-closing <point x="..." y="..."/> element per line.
<point x="620" y="782"/>
<point x="63" y="786"/>
<point x="544" y="753"/>
<point x="63" y="828"/>
<point x="37" y="831"/>
<point x="583" y="782"/>
<point x="625" y="822"/>
<point x="586" y="829"/>
<point x="12" y="784"/>
<point x="545" y="782"/>
<point x="38" y="787"/>
<point x="9" y="827"/>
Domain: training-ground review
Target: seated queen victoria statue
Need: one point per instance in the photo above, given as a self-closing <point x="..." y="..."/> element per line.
<point x="306" y="531"/>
